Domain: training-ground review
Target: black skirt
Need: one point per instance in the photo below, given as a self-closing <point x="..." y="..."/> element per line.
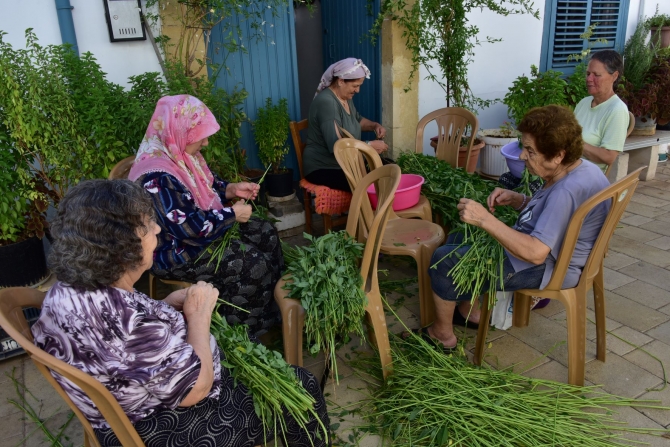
<point x="229" y="421"/>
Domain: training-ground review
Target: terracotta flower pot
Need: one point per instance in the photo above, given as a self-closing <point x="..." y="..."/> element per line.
<point x="462" y="153"/>
<point x="665" y="35"/>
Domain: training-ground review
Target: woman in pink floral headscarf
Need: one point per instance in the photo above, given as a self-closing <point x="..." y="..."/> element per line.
<point x="193" y="210"/>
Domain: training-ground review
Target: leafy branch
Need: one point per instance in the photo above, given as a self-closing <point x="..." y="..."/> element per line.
<point x="439" y="31"/>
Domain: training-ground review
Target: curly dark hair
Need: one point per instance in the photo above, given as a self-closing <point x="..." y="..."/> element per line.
<point x="96" y="232"/>
<point x="612" y="62"/>
<point x="554" y="128"/>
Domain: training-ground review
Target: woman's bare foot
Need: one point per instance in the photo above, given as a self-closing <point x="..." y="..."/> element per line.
<point x="447" y="339"/>
<point x="470" y="313"/>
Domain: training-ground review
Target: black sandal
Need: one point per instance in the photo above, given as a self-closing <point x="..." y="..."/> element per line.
<point x="459" y="320"/>
<point x="423" y="333"/>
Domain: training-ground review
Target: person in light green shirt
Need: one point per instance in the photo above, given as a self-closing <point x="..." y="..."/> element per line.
<point x="603" y="115"/>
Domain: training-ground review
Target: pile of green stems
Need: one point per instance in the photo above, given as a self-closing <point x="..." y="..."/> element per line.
<point x="271" y="381"/>
<point x="432" y="399"/>
<point x="325" y="277"/>
<point x="444" y="186"/>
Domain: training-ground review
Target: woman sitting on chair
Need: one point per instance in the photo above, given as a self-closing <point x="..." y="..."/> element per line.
<point x="602" y="115"/>
<point x="163" y="368"/>
<point x="333" y="108"/>
<point x="552" y="147"/>
<point x="192" y="211"/>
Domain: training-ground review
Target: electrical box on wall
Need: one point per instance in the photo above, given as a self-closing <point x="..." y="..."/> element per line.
<point x="124" y="20"/>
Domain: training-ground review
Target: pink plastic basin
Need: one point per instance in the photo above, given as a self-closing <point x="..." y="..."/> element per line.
<point x="406" y="196"/>
<point x="511" y="152"/>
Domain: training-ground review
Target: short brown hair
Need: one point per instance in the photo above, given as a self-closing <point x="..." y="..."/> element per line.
<point x="554" y="128"/>
<point x="95" y="232"/>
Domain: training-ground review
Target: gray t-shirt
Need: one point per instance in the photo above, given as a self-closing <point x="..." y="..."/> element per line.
<point x="547" y="215"/>
<point x="324" y="113"/>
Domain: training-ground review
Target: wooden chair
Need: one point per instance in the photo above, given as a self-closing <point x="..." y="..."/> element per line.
<point x="322" y="194"/>
<point x="452" y="123"/>
<point x="386" y="180"/>
<point x="120" y="171"/>
<point x="12" y="320"/>
<point x="421" y="210"/>
<point x="407" y="237"/>
<point x="574" y="299"/>
<point x="122" y="168"/>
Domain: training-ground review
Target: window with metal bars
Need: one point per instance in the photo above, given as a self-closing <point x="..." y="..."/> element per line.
<point x="565" y="20"/>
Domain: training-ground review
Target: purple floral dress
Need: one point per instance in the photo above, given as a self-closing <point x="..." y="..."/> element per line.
<point x="137" y="348"/>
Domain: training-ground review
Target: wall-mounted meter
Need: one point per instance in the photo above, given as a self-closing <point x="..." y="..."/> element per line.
<point x="124" y="20"/>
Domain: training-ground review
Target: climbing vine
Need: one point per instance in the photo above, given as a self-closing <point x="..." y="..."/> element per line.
<point x="439" y="32"/>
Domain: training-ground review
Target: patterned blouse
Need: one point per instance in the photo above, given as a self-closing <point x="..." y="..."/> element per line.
<point x="185" y="228"/>
<point x="134" y="345"/>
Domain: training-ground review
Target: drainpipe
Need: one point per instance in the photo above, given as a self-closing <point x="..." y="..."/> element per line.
<point x="66" y="24"/>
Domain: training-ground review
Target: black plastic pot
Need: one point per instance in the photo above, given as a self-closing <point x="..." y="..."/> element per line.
<point x="22" y="263"/>
<point x="280" y="185"/>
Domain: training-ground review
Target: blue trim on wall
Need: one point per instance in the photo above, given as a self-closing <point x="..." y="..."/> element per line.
<point x="66" y="24"/>
<point x="549" y="17"/>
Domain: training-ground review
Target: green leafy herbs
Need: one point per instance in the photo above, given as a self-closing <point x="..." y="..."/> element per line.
<point x="271" y="381"/>
<point x="325" y="277"/>
<point x="271" y="133"/>
<point x="444" y="186"/>
<point x="448" y="401"/>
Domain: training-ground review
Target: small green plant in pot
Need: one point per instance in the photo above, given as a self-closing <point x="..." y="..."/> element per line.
<point x="659" y="25"/>
<point x="541" y="89"/>
<point x="271" y="135"/>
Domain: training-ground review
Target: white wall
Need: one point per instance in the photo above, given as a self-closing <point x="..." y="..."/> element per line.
<point x="644" y="9"/>
<point x="119" y="59"/>
<point x="495" y="65"/>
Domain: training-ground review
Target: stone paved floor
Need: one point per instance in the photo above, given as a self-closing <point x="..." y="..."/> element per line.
<point x="637" y="279"/>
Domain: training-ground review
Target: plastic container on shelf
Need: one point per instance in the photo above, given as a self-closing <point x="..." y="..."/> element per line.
<point x="406" y="196"/>
<point x="492" y="161"/>
<point x="511" y="152"/>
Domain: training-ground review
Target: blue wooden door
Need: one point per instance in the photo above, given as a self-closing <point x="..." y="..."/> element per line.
<point x="345" y="24"/>
<point x="268" y="68"/>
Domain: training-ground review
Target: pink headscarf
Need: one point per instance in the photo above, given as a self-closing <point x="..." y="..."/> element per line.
<point x="177" y="122"/>
<point x="349" y="68"/>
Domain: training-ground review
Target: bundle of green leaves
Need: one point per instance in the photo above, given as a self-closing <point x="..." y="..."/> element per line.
<point x="325" y="277"/>
<point x="444" y="186"/>
<point x="272" y="382"/>
<point x="436" y="400"/>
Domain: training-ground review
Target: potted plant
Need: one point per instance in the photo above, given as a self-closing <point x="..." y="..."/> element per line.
<point x="22" y="221"/>
<point x="635" y="90"/>
<point x="659" y="25"/>
<point x="271" y="135"/>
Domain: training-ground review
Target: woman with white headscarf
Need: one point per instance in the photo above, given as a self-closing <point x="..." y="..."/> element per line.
<point x="331" y="109"/>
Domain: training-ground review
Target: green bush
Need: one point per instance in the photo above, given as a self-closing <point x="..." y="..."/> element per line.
<point x="271" y="133"/>
<point x="541" y="89"/>
<point x="62" y="121"/>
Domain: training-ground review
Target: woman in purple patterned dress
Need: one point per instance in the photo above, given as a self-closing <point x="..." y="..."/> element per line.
<point x="164" y="368"/>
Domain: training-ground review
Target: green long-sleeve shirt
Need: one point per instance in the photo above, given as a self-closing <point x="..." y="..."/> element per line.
<point x="325" y="113"/>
